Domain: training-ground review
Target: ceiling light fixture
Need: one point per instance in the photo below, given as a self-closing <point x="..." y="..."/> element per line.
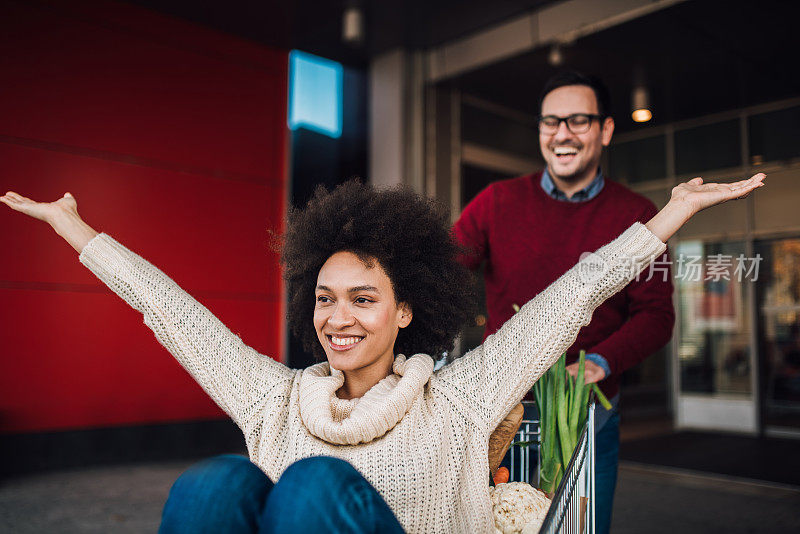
<point x="640" y="104"/>
<point x="555" y="57"/>
<point x="353" y="23"/>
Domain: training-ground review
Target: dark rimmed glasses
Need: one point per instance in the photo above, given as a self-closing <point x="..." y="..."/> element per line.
<point x="577" y="123"/>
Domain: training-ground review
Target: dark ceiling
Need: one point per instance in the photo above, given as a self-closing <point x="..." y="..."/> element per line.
<point x="697" y="57"/>
<point x="316" y="25"/>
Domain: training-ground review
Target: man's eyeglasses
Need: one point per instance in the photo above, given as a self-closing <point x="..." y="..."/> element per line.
<point x="577" y="123"/>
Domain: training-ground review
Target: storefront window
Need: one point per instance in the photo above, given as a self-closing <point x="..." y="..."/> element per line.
<point x="709" y="147"/>
<point x="778" y="294"/>
<point x="487" y="129"/>
<point x="713" y="349"/>
<point x="773" y="135"/>
<point x="638" y="161"/>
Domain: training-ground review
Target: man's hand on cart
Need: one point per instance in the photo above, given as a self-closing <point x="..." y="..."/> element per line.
<point x="592" y="373"/>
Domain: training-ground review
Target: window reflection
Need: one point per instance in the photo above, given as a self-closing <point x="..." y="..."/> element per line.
<point x="713" y="349"/>
<point x="773" y="136"/>
<point x="638" y="161"/>
<point x="778" y="293"/>
<point x="711" y="146"/>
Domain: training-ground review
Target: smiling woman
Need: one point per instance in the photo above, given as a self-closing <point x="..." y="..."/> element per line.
<point x="372" y="439"/>
<point x="357" y="319"/>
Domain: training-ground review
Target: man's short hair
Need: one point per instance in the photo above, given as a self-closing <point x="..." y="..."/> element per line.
<point x="571" y="77"/>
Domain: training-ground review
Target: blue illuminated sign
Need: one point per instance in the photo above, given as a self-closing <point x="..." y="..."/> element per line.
<point x="315" y="94"/>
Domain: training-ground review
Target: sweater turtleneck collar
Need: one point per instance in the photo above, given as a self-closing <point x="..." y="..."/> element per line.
<point x="350" y="422"/>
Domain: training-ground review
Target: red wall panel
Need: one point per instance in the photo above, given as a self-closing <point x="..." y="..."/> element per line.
<point x="172" y="138"/>
<point x="87" y="83"/>
<point x="177" y="220"/>
<point x="82" y="359"/>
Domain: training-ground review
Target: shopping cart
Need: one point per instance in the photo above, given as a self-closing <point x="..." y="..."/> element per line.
<point x="572" y="508"/>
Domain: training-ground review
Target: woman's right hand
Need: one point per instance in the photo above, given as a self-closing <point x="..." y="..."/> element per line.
<point x="62" y="215"/>
<point x="48" y="212"/>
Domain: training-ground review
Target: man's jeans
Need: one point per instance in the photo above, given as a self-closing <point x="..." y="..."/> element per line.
<point x="605" y="472"/>
<point x="229" y="494"/>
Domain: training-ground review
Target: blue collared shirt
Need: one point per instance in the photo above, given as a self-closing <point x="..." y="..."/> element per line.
<point x="585" y="194"/>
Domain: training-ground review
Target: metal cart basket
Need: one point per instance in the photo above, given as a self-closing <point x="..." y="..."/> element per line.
<point x="572" y="508"/>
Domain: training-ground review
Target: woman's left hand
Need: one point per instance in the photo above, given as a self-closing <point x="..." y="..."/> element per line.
<point x="698" y="196"/>
<point x="693" y="196"/>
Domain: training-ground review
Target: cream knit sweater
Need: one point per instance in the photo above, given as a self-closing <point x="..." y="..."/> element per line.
<point x="421" y="438"/>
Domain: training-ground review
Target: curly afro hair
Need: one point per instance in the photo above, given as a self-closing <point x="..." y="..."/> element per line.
<point x="409" y="235"/>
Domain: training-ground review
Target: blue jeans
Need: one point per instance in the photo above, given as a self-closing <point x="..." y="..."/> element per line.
<point x="605" y="472"/>
<point x="229" y="494"/>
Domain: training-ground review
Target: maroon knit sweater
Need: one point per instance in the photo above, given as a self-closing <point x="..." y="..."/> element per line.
<point x="529" y="239"/>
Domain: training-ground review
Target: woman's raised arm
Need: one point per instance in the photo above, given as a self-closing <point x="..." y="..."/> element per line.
<point x="494" y="377"/>
<point x="238" y="378"/>
<point x="62" y="215"/>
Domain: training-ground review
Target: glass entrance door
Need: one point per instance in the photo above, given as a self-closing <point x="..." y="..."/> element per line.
<point x="715" y="363"/>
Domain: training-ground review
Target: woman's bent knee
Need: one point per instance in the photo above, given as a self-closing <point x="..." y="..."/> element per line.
<point x="217" y="493"/>
<point x="221" y="470"/>
<point x="322" y="470"/>
<point x="325" y="494"/>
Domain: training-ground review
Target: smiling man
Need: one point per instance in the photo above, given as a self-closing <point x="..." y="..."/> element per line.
<point x="529" y="229"/>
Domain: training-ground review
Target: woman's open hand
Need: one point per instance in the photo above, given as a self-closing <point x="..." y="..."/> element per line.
<point x="44" y="211"/>
<point x="693" y="196"/>
<point x="698" y="196"/>
<point x="62" y="215"/>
